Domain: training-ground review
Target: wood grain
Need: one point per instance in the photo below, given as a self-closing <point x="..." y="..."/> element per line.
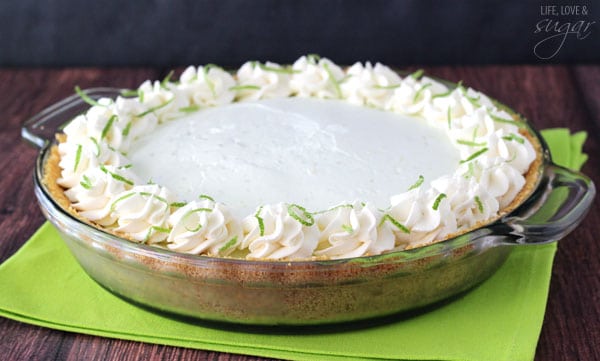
<point x="549" y="96"/>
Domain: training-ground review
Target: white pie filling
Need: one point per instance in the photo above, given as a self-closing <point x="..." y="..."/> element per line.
<point x="311" y="152"/>
<point x="282" y="174"/>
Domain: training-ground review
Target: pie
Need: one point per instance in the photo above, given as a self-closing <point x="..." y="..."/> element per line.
<point x="300" y="162"/>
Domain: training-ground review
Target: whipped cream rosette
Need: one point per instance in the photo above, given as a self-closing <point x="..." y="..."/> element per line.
<point x="104" y="188"/>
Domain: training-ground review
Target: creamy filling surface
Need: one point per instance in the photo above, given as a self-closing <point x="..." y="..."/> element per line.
<point x="312" y="152"/>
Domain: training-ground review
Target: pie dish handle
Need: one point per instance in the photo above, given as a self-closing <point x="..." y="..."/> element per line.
<point x="560" y="203"/>
<point x="40" y="129"/>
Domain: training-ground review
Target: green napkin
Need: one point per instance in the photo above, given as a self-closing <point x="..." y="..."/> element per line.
<point x="42" y="284"/>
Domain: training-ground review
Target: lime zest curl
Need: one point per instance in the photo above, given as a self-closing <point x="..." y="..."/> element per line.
<point x="420" y="91"/>
<point x="514" y="137"/>
<point x="204" y="196"/>
<point x="417" y="74"/>
<point x="334" y="81"/>
<point x="347" y="228"/>
<point x="116" y="176"/>
<point x="189" y="109"/>
<point x="244" y="87"/>
<point x="283" y="70"/>
<point x="479" y="204"/>
<point x="300" y="214"/>
<point x="392" y="220"/>
<point x="153" y="109"/>
<point x="77" y="157"/>
<point x="86" y="98"/>
<point x="127" y="129"/>
<point x="177" y="204"/>
<point x="471" y="143"/>
<point x="166" y="80"/>
<point x="334" y="208"/>
<point x="498" y="119"/>
<point x="474" y="155"/>
<point x="418" y="183"/>
<point x="438" y="200"/>
<point x="86" y="182"/>
<point x="211" y="85"/>
<point x="190" y="212"/>
<point x="260" y="220"/>
<point x="156" y="229"/>
<point x="107" y="126"/>
<point x="232" y="242"/>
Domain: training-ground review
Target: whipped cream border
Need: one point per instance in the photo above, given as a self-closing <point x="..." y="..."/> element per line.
<point x="101" y="183"/>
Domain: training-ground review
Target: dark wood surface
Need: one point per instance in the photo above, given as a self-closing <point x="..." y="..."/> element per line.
<point x="550" y="96"/>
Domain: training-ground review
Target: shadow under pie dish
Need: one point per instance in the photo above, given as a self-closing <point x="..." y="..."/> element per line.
<point x="247" y="286"/>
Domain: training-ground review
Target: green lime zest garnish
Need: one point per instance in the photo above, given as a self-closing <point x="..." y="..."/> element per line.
<point x="260" y="220"/>
<point x="166" y="80"/>
<point x="420" y="91"/>
<point x="479" y="204"/>
<point x="86" y="98"/>
<point x="474" y="155"/>
<point x="393" y="221"/>
<point x="190" y="109"/>
<point x="334" y="208"/>
<point x="207" y="80"/>
<point x="126" y="166"/>
<point x="417" y="74"/>
<point x="277" y="70"/>
<point x="204" y="196"/>
<point x="107" y="126"/>
<point x="334" y="81"/>
<point x="177" y="204"/>
<point x="159" y="198"/>
<point x="438" y="200"/>
<point x="189" y="213"/>
<point x="392" y="86"/>
<point x="157" y="229"/>
<point x="506" y="121"/>
<point x="470" y="172"/>
<point x="229" y="244"/>
<point x="300" y="214"/>
<point x="347" y="228"/>
<point x="473" y="100"/>
<point x="141" y="95"/>
<point x="129" y="93"/>
<point x="244" y="87"/>
<point x="153" y="109"/>
<point x="475" y="132"/>
<point x="126" y="130"/>
<point x="418" y="183"/>
<point x="121" y="198"/>
<point x="470" y="143"/>
<point x="86" y="182"/>
<point x="449" y="116"/>
<point x="313" y="58"/>
<point x="116" y="176"/>
<point x="515" y="138"/>
<point x="77" y="157"/>
<point x="95" y="141"/>
<point x="442" y="95"/>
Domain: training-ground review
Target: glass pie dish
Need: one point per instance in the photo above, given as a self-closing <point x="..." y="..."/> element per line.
<point x="304" y="292"/>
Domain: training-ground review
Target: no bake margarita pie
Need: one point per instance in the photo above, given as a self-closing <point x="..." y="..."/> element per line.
<point x="308" y="161"/>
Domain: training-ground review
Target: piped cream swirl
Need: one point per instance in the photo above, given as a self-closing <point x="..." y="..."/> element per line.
<point x="204" y="227"/>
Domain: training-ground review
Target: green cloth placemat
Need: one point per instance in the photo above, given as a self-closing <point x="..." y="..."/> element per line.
<point x="42" y="284"/>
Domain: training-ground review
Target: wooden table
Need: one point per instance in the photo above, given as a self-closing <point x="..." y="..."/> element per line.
<point x="550" y="96"/>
